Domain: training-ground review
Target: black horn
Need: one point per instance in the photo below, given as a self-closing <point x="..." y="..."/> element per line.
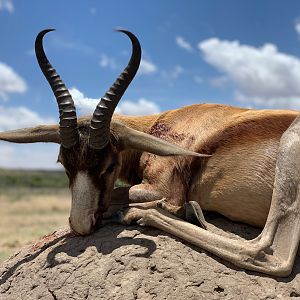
<point x="100" y="123"/>
<point x="67" y="114"/>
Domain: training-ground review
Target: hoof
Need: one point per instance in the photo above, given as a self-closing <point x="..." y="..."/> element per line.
<point x="161" y="203"/>
<point x="141" y="222"/>
<point x="115" y="218"/>
<point x="194" y="214"/>
<point x="118" y="217"/>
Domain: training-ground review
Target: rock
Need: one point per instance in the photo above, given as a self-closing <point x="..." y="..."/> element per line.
<point x="120" y="262"/>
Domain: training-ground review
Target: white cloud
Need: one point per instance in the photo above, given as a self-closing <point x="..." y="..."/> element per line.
<point x="275" y="102"/>
<point x="59" y="42"/>
<point x="173" y="74"/>
<point x="20" y="117"/>
<point x="140" y="108"/>
<point x="262" y="75"/>
<point x="107" y="62"/>
<point x="29" y="156"/>
<point x="198" y="79"/>
<point x="147" y="67"/>
<point x="93" y="11"/>
<point x="30" y="52"/>
<point x="84" y="104"/>
<point x="176" y="72"/>
<point x="219" y="81"/>
<point x="7" y="5"/>
<point x="297" y="27"/>
<point x="182" y="43"/>
<point x="6" y="151"/>
<point x="10" y="81"/>
<point x="87" y="105"/>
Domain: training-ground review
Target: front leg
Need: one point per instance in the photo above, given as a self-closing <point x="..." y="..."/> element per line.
<point x="139" y="193"/>
<point x="138" y="196"/>
<point x="121" y="200"/>
<point x="145" y="192"/>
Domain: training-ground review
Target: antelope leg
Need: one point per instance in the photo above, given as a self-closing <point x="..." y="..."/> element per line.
<point x="273" y="251"/>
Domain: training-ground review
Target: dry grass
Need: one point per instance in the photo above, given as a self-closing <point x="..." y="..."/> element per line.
<point x="26" y="214"/>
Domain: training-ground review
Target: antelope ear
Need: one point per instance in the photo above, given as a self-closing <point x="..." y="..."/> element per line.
<point x="42" y="133"/>
<point x="127" y="137"/>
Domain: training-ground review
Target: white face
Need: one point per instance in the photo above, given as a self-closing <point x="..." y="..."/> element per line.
<point x="85" y="197"/>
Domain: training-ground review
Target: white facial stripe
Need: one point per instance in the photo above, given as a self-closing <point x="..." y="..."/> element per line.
<point x="84" y="203"/>
<point x="84" y="192"/>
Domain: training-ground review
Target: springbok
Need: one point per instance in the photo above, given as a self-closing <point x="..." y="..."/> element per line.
<point x="248" y="169"/>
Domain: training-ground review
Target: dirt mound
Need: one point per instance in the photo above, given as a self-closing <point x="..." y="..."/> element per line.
<point x="120" y="262"/>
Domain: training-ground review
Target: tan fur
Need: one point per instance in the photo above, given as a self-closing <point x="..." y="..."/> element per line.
<point x="237" y="181"/>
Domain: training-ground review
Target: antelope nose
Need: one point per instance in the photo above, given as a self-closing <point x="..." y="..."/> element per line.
<point x="82" y="226"/>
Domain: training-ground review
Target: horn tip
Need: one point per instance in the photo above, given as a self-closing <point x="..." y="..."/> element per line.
<point x="204" y="155"/>
<point x="121" y="29"/>
<point x="49" y="30"/>
<point x="43" y="32"/>
<point x="128" y="33"/>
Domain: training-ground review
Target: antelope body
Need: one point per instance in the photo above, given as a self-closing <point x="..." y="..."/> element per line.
<point x="241" y="163"/>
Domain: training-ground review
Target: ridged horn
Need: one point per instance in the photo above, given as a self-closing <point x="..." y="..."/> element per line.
<point x="67" y="114"/>
<point x="100" y="123"/>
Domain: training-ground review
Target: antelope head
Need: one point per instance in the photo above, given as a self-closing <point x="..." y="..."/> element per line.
<point x="90" y="151"/>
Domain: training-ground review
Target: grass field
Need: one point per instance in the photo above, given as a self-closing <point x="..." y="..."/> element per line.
<point x="32" y="204"/>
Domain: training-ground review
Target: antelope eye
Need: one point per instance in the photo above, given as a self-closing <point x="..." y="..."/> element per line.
<point x="111" y="168"/>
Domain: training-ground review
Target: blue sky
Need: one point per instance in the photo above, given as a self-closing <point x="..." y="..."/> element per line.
<point x="243" y="53"/>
